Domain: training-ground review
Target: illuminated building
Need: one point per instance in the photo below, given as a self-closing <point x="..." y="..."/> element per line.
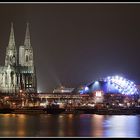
<point x="98" y="96"/>
<point x="19" y="71"/>
<point x="112" y="84"/>
<point x="63" y="89"/>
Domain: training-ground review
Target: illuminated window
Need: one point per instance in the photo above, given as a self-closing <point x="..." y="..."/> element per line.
<point x="98" y="93"/>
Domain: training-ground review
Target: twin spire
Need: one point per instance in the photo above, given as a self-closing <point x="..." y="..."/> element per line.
<point x="27" y="42"/>
<point x="12" y="38"/>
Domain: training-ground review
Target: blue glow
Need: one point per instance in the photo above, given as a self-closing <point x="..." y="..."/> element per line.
<point x="122" y="85"/>
<point x="96" y="82"/>
<point x="86" y="88"/>
<point x="113" y="84"/>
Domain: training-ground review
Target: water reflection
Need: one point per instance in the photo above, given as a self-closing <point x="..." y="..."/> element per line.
<point x="121" y="126"/>
<point x="69" y="125"/>
<point x="97" y="127"/>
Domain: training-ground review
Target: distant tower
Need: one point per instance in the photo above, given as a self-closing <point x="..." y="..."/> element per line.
<point x="26" y="61"/>
<point x="26" y="51"/>
<point x="8" y="84"/>
<point x="11" y="52"/>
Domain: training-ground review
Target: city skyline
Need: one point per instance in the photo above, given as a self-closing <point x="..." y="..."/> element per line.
<point x="75" y="44"/>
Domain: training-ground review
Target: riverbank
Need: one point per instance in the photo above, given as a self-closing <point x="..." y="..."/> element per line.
<point x="117" y="111"/>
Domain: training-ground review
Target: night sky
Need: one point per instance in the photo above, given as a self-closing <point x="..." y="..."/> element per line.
<point x="75" y="44"/>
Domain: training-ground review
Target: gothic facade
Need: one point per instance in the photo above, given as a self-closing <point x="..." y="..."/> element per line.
<point x="19" y="70"/>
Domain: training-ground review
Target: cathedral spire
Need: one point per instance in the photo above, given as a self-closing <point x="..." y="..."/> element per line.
<point x="27" y="42"/>
<point x="12" y="38"/>
<point x="11" y="52"/>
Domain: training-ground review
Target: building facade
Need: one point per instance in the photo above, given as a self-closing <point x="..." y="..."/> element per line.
<point x="18" y="73"/>
<point x="63" y="89"/>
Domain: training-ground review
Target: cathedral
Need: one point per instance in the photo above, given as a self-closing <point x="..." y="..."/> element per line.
<point x="19" y="70"/>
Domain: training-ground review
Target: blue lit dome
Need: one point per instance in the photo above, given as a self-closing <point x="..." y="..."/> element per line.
<point x="112" y="84"/>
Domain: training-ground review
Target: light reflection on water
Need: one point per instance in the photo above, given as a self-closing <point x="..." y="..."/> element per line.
<point x="122" y="126"/>
<point x="69" y="125"/>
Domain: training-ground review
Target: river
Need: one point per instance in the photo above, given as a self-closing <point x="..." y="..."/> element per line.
<point x="69" y="125"/>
